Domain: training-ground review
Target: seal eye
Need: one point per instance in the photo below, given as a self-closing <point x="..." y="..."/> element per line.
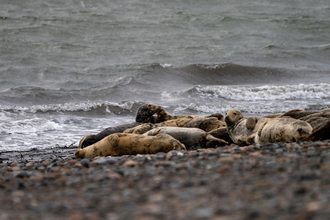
<point x="235" y="114"/>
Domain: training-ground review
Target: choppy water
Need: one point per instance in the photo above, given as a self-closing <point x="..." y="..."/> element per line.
<point x="74" y="67"/>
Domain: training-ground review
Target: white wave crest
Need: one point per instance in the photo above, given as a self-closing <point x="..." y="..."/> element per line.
<point x="165" y="65"/>
<point x="267" y="92"/>
<point x="251" y="109"/>
<point x="29" y="126"/>
<point x="68" y="107"/>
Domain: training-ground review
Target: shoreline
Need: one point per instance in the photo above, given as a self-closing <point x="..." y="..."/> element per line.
<point x="272" y="181"/>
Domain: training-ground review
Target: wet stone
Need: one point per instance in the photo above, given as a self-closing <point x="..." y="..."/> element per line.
<point x="85" y="162"/>
<point x="130" y="163"/>
<point x="103" y="160"/>
<point x="21" y="174"/>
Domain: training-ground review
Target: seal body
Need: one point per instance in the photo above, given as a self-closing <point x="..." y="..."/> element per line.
<point x="316" y="121"/>
<point x="192" y="138"/>
<point x="282" y="130"/>
<point x="91" y="139"/>
<point x="148" y="126"/>
<point x="297" y="113"/>
<point x="130" y="144"/>
<point x="241" y="129"/>
<point x="325" y="113"/>
<point x="320" y="132"/>
<point x="206" y="123"/>
<point x="162" y="115"/>
<point x="221" y="133"/>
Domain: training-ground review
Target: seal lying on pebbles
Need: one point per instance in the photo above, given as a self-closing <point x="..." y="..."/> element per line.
<point x="297" y="113"/>
<point x="91" y="139"/>
<point x="241" y="129"/>
<point x="130" y="144"/>
<point x="162" y="115"/>
<point x="205" y="123"/>
<point x="319" y="133"/>
<point x="145" y="113"/>
<point x="221" y="133"/>
<point x="316" y="121"/>
<point x="282" y="130"/>
<point x="192" y="138"/>
<point x="325" y="113"/>
<point x="148" y="126"/>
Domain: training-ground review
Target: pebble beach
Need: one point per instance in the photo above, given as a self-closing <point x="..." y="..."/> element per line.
<point x="272" y="181"/>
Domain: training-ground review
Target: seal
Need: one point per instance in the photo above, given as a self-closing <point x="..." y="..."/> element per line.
<point x="91" y="139"/>
<point x="325" y="113"/>
<point x="241" y="129"/>
<point x="319" y="133"/>
<point x="130" y="144"/>
<point x="162" y="115"/>
<point x="297" y="113"/>
<point x="206" y="123"/>
<point x="192" y="138"/>
<point x="282" y="130"/>
<point x="180" y="122"/>
<point x="316" y="121"/>
<point x="221" y="133"/>
<point x="144" y="113"/>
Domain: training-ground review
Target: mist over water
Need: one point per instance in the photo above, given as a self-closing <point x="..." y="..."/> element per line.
<point x="72" y="68"/>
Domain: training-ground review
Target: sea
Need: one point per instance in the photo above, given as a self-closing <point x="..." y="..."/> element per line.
<point x="70" y="68"/>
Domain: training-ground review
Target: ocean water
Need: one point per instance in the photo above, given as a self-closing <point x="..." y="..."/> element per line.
<point x="69" y="68"/>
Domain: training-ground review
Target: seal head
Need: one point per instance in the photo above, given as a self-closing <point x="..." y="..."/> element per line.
<point x="232" y="117"/>
<point x="145" y="112"/>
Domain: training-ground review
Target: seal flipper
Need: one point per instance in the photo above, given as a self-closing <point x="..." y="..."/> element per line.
<point x="251" y="139"/>
<point x="86" y="141"/>
<point x="258" y="134"/>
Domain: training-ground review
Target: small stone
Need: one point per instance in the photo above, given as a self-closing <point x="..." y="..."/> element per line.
<point x="103" y="160"/>
<point x="114" y="175"/>
<point x="85" y="162"/>
<point x="321" y="144"/>
<point x="226" y="160"/>
<point x="38" y="177"/>
<point x="156" y="197"/>
<point x="255" y="154"/>
<point x="164" y="164"/>
<point x="15" y="168"/>
<point x="14" y="164"/>
<point x="21" y="174"/>
<point x="325" y="166"/>
<point x="281" y="160"/>
<point x="65" y="171"/>
<point x="61" y="180"/>
<point x="313" y="206"/>
<point x="279" y="151"/>
<point x="72" y="162"/>
<point x="29" y="164"/>
<point x="306" y="145"/>
<point x="203" y="213"/>
<point x="160" y="155"/>
<point x="45" y="162"/>
<point x="236" y="156"/>
<point x="7" y="168"/>
<point x="169" y="155"/>
<point x="130" y="163"/>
